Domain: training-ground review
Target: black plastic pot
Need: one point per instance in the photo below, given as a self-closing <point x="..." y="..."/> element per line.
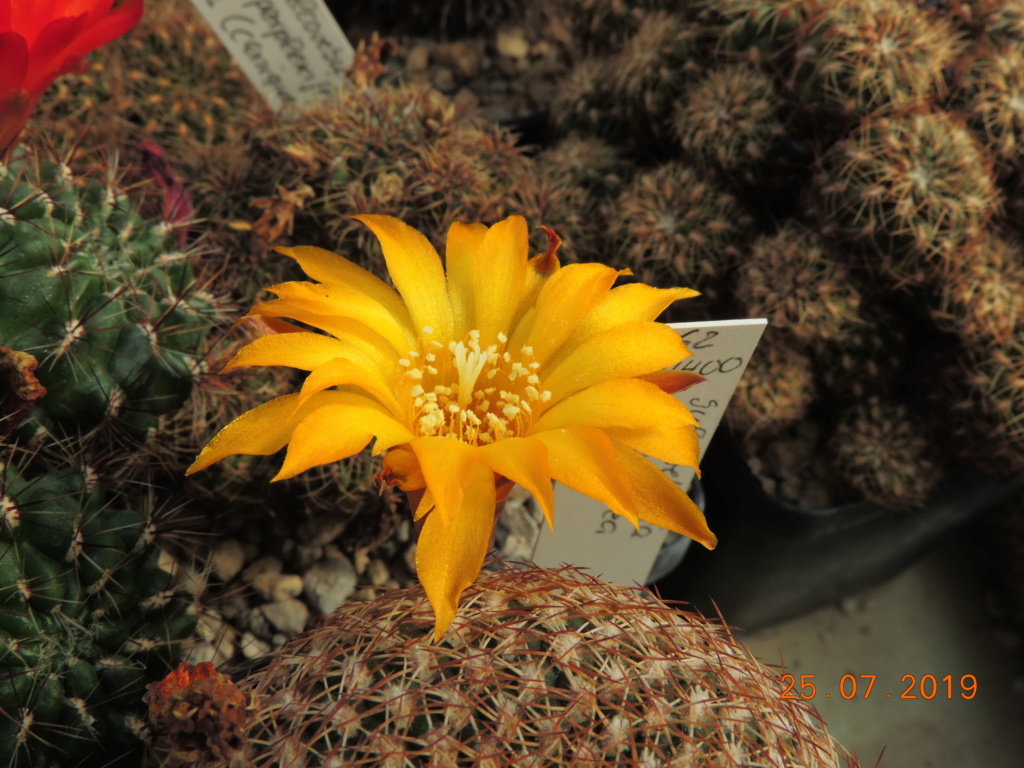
<point x="776" y="560"/>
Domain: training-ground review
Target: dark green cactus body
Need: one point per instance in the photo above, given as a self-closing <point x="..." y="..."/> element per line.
<point x="87" y="619"/>
<point x="100" y="296"/>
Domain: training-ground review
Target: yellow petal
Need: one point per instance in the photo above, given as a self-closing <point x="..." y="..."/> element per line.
<point x="341" y="301"/>
<point x="623" y="351"/>
<point x="583" y="458"/>
<point x="327" y="267"/>
<point x="338" y="430"/>
<point x="524" y="461"/>
<point x="627" y="304"/>
<point x="260" y="432"/>
<point x="676" y="445"/>
<point x="446" y="464"/>
<point x="383" y="353"/>
<point x="302" y="350"/>
<point x="460" y="253"/>
<point x="401" y="467"/>
<point x="663" y="503"/>
<point x="416" y="270"/>
<point x="564" y="299"/>
<point x="351" y="372"/>
<point x="425" y="505"/>
<point x="498" y="276"/>
<point x="628" y="403"/>
<point x="451" y="549"/>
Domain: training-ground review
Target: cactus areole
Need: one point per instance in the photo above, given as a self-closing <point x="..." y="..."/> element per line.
<point x="491" y="370"/>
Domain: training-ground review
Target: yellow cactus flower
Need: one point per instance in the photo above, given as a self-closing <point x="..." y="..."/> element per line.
<point x="491" y="370"/>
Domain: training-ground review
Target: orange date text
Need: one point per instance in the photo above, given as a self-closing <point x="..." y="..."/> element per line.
<point x="863" y="686"/>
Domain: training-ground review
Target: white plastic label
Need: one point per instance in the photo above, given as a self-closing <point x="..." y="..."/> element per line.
<point x="293" y="51"/>
<point x="589" y="535"/>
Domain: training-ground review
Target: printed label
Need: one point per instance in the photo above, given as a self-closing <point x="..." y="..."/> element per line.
<point x="589" y="535"/>
<point x="293" y="51"/>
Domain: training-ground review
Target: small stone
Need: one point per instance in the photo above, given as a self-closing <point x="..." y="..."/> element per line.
<point x="287" y="585"/>
<point x="512" y="44"/>
<point x="329" y="583"/>
<point x="197" y="653"/>
<point x="252" y="647"/>
<point x="404" y="531"/>
<point x="257" y="622"/>
<point x="361" y="560"/>
<point x="288" y="616"/>
<point x="460" y="57"/>
<point x="364" y="595"/>
<point x="443" y="79"/>
<point x="392" y="584"/>
<point x="542" y="49"/>
<point x="268" y="564"/>
<point x="496" y="113"/>
<point x="227" y="559"/>
<point x="769" y="485"/>
<point x="418" y="59"/>
<point x="304" y="556"/>
<point x="378" y="572"/>
<point x="791" y="488"/>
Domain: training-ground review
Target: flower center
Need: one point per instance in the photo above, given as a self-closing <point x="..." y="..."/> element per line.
<point x="472" y="393"/>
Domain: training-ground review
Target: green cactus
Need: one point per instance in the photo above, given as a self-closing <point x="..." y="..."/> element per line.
<point x="730" y="120"/>
<point x="872" y="56"/>
<point x="541" y="667"/>
<point x="791" y="279"/>
<point x="673" y="226"/>
<point x="585" y="103"/>
<point x="599" y="25"/>
<point x="87" y="618"/>
<point x="886" y="453"/>
<point x="865" y="360"/>
<point x="991" y="23"/>
<point x="103" y="299"/>
<point x="913" y="189"/>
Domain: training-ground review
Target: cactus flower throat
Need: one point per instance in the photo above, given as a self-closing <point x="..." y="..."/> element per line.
<point x="489" y="370"/>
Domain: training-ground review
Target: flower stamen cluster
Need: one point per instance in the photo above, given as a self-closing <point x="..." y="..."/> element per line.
<point x="474" y="394"/>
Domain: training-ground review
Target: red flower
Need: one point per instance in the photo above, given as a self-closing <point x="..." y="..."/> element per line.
<point x="43" y="39"/>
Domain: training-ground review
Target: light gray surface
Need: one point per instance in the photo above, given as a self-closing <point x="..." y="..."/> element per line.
<point x="928" y="620"/>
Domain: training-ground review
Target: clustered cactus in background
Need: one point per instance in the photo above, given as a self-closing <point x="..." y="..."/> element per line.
<point x="847" y="169"/>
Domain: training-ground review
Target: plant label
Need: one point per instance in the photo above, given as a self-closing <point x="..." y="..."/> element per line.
<point x="292" y="51"/>
<point x="589" y="535"/>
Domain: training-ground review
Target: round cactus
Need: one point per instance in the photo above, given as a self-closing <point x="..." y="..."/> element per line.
<point x="789" y="278"/>
<point x="991" y="94"/>
<point x="541" y="668"/>
<point x="730" y="119"/>
<point x="984" y="303"/>
<point x="992" y="23"/>
<point x="869" y="56"/>
<point x="866" y="359"/>
<point x="87" y="618"/>
<point x="777" y="388"/>
<point x="103" y="299"/>
<point x="654" y="67"/>
<point x="585" y="103"/>
<point x="765" y="32"/>
<point x="914" y="189"/>
<point x="672" y="226"/>
<point x="886" y="453"/>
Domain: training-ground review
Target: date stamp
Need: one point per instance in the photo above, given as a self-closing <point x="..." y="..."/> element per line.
<point x="861" y="686"/>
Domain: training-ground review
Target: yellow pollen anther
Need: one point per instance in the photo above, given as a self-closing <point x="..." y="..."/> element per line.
<point x="427" y="330"/>
<point x="527" y="350"/>
<point x="502" y="337"/>
<point x="404" y="363"/>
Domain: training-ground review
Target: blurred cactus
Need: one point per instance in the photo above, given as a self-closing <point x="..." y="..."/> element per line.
<point x="87" y="618"/>
<point x="585" y="102"/>
<point x="984" y="302"/>
<point x="653" y="68"/>
<point x="540" y="667"/>
<point x="764" y="32"/>
<point x="872" y="56"/>
<point x="776" y="390"/>
<point x="866" y="359"/>
<point x="991" y="95"/>
<point x="789" y="278"/>
<point x="993" y="23"/>
<point x="672" y="226"/>
<point x="886" y="453"/>
<point x="913" y="189"/>
<point x="730" y="120"/>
